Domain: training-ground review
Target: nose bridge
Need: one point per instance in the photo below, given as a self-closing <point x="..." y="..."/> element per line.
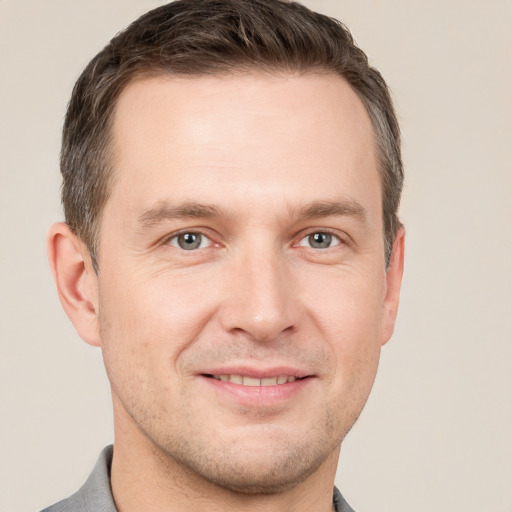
<point x="261" y="299"/>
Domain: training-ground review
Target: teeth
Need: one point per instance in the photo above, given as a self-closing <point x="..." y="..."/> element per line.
<point x="252" y="381"/>
<point x="249" y="381"/>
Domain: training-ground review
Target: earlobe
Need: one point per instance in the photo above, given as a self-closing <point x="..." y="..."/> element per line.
<point x="76" y="281"/>
<point x="393" y="284"/>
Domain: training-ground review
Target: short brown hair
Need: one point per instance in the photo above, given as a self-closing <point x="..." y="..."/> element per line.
<point x="198" y="37"/>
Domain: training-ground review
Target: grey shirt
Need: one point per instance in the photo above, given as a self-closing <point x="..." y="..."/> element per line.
<point x="96" y="496"/>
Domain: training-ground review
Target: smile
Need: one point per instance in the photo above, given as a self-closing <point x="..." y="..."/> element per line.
<point x="261" y="389"/>
<point x="254" y="381"/>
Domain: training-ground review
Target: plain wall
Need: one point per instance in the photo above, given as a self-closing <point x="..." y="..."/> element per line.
<point x="437" y="431"/>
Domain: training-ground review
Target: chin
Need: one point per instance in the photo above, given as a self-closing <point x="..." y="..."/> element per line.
<point x="262" y="464"/>
<point x="247" y="474"/>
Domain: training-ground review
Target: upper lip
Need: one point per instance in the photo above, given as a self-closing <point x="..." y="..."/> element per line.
<point x="257" y="373"/>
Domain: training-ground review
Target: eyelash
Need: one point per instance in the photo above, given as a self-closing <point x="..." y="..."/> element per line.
<point x="333" y="236"/>
<point x="175" y="237"/>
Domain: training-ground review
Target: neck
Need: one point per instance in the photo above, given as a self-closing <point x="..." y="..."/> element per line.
<point x="145" y="478"/>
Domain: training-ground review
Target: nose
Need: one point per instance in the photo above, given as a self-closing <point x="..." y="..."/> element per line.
<point x="261" y="298"/>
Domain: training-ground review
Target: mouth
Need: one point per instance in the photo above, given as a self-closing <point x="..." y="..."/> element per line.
<point x="258" y="388"/>
<point x="245" y="380"/>
<point x="259" y="392"/>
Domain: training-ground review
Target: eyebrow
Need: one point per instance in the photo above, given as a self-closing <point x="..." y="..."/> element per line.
<point x="346" y="208"/>
<point x="165" y="211"/>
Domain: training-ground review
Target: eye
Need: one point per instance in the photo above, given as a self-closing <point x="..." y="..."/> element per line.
<point x="189" y="241"/>
<point x="320" y="240"/>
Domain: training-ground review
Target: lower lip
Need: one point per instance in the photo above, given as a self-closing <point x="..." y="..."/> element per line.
<point x="258" y="395"/>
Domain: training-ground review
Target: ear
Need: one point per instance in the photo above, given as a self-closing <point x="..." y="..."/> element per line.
<point x="393" y="283"/>
<point x="77" y="283"/>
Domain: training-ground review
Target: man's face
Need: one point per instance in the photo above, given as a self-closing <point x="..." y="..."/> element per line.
<point x="243" y="297"/>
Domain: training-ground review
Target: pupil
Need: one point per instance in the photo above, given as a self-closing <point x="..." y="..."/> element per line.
<point x="189" y="241"/>
<point x="320" y="240"/>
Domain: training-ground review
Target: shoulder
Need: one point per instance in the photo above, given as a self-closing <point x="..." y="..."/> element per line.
<point x="95" y="495"/>
<point x="74" y="503"/>
<point x="340" y="505"/>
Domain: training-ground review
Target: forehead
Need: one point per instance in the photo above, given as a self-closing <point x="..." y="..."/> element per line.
<point x="241" y="136"/>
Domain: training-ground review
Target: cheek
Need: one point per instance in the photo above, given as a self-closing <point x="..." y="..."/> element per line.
<point x="347" y="313"/>
<point x="153" y="316"/>
<point x="346" y="304"/>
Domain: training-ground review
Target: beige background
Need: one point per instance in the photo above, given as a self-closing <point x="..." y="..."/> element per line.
<point x="437" y="431"/>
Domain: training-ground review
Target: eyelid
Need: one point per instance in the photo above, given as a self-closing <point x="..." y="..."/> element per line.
<point x="335" y="234"/>
<point x="206" y="233"/>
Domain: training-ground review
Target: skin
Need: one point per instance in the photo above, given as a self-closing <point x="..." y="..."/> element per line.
<point x="255" y="165"/>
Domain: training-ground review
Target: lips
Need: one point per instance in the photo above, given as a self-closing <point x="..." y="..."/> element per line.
<point x="256" y="386"/>
<point x="264" y="391"/>
<point x="246" y="380"/>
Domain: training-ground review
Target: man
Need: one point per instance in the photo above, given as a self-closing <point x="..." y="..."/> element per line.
<point x="232" y="176"/>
